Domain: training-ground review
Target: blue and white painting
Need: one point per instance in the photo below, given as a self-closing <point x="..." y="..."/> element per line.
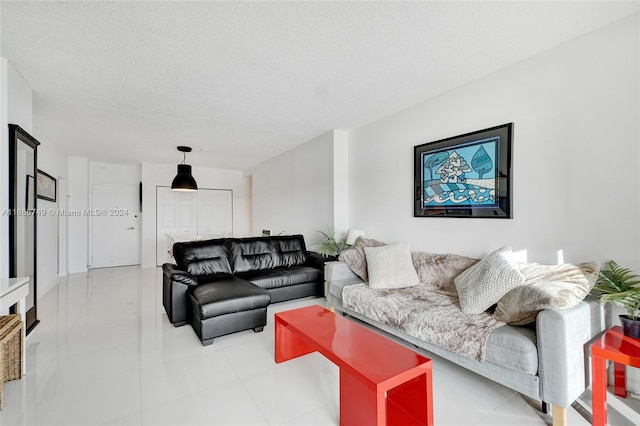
<point x="461" y="175"/>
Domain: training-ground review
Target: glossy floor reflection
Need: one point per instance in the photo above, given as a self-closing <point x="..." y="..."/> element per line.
<point x="105" y="354"/>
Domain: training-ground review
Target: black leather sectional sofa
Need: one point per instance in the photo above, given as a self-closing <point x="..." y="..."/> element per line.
<point x="224" y="285"/>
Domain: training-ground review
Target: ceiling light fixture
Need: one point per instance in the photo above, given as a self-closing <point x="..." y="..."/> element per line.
<point x="184" y="181"/>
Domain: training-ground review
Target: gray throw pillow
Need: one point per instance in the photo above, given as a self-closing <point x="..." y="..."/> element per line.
<point x="390" y="266"/>
<point x="483" y="284"/>
<point x="355" y="258"/>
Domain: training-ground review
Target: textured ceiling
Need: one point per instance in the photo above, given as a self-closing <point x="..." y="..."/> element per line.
<point x="127" y="82"/>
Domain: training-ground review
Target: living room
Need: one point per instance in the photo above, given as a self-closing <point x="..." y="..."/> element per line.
<point x="573" y="98"/>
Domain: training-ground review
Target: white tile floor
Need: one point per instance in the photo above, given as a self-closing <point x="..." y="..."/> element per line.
<point x="106" y="354"/>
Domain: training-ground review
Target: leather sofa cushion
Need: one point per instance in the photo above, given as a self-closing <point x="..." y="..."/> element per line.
<point x="228" y="295"/>
<point x="282" y="277"/>
<point x="250" y="254"/>
<point x="291" y="249"/>
<point x="258" y="254"/>
<point x="199" y="258"/>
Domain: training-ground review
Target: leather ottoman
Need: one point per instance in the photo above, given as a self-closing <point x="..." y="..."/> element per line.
<point x="227" y="305"/>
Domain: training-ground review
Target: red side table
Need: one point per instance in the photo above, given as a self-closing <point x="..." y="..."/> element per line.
<point x="623" y="351"/>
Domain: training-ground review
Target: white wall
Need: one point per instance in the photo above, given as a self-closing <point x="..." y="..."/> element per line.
<point x="293" y="193"/>
<point x="154" y="175"/>
<point x="576" y="150"/>
<point x="4" y="170"/>
<point x="19" y="111"/>
<point x="17" y="108"/>
<point x="114" y="174"/>
<point x="78" y="226"/>
<point x="52" y="236"/>
<point x="340" y="180"/>
<point x="19" y="100"/>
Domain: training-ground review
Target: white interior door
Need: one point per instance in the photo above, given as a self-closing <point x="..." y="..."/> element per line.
<point x="115" y="230"/>
<point x="176" y="217"/>
<point x="215" y="214"/>
<point x="189" y="216"/>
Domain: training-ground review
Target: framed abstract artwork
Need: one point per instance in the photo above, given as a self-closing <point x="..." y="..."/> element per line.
<point x="465" y="176"/>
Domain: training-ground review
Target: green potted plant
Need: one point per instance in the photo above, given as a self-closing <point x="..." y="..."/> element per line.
<point x="331" y="246"/>
<point x="619" y="286"/>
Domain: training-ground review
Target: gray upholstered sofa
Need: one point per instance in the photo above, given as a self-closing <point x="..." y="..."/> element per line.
<point x="546" y="361"/>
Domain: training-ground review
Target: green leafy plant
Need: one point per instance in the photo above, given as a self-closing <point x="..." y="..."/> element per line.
<point x="331" y="245"/>
<point x="619" y="286"/>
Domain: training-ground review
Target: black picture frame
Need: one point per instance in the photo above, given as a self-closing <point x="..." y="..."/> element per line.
<point x="46" y="186"/>
<point x="465" y="176"/>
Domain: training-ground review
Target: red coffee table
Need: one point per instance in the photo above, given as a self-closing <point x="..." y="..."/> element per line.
<point x="381" y="382"/>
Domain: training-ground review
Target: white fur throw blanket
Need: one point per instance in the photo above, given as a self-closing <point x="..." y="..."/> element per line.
<point x="427" y="311"/>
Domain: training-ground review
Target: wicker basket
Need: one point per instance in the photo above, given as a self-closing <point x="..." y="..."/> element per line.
<point x="11" y="349"/>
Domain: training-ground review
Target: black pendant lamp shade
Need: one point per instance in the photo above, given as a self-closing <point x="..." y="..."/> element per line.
<point x="184" y="181"/>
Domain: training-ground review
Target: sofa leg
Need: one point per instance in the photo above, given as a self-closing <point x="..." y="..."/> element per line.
<point x="207" y="342"/>
<point x="179" y="323"/>
<point x="258" y="329"/>
<point x="558" y="415"/>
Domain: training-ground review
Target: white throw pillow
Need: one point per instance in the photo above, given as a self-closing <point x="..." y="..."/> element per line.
<point x="546" y="286"/>
<point x="390" y="266"/>
<point x="483" y="284"/>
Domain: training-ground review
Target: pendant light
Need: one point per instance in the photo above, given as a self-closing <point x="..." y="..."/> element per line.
<point x="183" y="180"/>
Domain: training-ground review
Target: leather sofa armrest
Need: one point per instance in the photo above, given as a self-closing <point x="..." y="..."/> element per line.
<point x="316" y="260"/>
<point x="172" y="272"/>
<point x="176" y="285"/>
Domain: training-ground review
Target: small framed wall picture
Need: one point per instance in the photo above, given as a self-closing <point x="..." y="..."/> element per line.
<point x="46" y="186"/>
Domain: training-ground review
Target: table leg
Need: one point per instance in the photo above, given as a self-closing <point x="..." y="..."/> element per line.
<point x="408" y="404"/>
<point x="287" y="344"/>
<point x="620" y="379"/>
<point x="411" y="403"/>
<point x="358" y="405"/>
<point x="22" y="309"/>
<point x="599" y="390"/>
